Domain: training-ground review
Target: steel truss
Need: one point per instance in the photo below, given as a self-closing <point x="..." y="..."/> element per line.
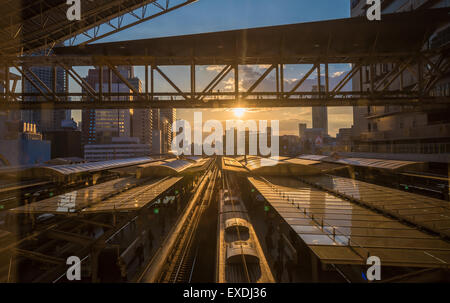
<point x="427" y="68"/>
<point x="41" y="25"/>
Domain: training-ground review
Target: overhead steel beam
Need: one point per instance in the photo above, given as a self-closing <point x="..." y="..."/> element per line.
<point x="217" y="79"/>
<point x="259" y="80"/>
<point x="39" y="257"/>
<point x="31" y="81"/>
<point x="300" y="82"/>
<point x="263" y="102"/>
<point x="49" y="26"/>
<point x="69" y="237"/>
<point x="186" y="97"/>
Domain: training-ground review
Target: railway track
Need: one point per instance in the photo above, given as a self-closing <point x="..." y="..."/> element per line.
<point x="174" y="261"/>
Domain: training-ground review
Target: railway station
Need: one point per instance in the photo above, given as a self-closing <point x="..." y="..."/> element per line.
<point x="315" y="215"/>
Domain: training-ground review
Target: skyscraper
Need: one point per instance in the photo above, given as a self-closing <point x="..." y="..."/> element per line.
<point x="167" y="117"/>
<point x="101" y="125"/>
<point x="320" y="114"/>
<point x="45" y="119"/>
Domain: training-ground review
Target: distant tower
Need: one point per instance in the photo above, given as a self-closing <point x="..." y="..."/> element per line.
<point x="320" y="114"/>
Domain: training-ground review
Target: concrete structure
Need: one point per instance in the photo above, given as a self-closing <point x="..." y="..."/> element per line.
<point x="119" y="148"/>
<point x="395" y="129"/>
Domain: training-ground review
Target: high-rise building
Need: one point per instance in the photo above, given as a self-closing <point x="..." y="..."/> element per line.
<point x="101" y="125"/>
<point x="21" y="143"/>
<point x="167" y="117"/>
<point x="320" y="114"/>
<point x="394" y="129"/>
<point x="45" y="119"/>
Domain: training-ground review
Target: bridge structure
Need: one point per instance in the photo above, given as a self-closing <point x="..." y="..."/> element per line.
<point x="30" y="26"/>
<point x="399" y="39"/>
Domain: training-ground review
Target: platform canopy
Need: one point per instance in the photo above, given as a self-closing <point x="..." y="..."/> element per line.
<point x="74" y="201"/>
<point x="337" y="40"/>
<point x="338" y="231"/>
<point x="90" y="167"/>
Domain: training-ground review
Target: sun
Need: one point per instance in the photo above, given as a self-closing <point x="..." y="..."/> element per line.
<point x="239" y="112"/>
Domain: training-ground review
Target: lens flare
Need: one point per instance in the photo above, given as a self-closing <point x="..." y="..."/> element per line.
<point x="239" y="112"/>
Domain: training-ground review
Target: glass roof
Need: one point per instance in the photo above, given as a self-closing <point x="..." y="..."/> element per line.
<point x="97" y="166"/>
<point x="342" y="232"/>
<point x="365" y="162"/>
<point x="134" y="198"/>
<point x="76" y="200"/>
<point x="427" y="212"/>
<point x="377" y="163"/>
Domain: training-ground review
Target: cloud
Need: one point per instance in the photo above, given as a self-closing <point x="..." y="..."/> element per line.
<point x="337" y="74"/>
<point x="215" y="68"/>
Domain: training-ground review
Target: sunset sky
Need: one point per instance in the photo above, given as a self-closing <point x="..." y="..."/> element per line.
<point x="218" y="15"/>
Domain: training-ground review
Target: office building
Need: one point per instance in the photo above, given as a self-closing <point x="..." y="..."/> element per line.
<point x="394" y="129"/>
<point x="100" y="126"/>
<point x="118" y="148"/>
<point x="21" y="143"/>
<point x="45" y="119"/>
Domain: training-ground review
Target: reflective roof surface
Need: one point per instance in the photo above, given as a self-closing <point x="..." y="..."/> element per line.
<point x="427" y="212"/>
<point x="97" y="166"/>
<point x="342" y="232"/>
<point x="134" y="198"/>
<point x="74" y="201"/>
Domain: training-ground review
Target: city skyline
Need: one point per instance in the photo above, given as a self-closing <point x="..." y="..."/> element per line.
<point x="228" y="15"/>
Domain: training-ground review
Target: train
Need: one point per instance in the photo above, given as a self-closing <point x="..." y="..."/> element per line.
<point x="240" y="258"/>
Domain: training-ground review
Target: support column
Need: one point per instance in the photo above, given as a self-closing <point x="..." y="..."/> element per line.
<point x="110" y="83"/>
<point x="192" y="81"/>
<point x="278" y="79"/>
<point x="54" y="83"/>
<point x="372" y="78"/>
<point x="282" y="79"/>
<point x="236" y="81"/>
<point x="7" y="90"/>
<point x="361" y="82"/>
<point x="146" y="82"/>
<point x="420" y="76"/>
<point x="66" y="75"/>
<point x="100" y="85"/>
<point x="152" y="87"/>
